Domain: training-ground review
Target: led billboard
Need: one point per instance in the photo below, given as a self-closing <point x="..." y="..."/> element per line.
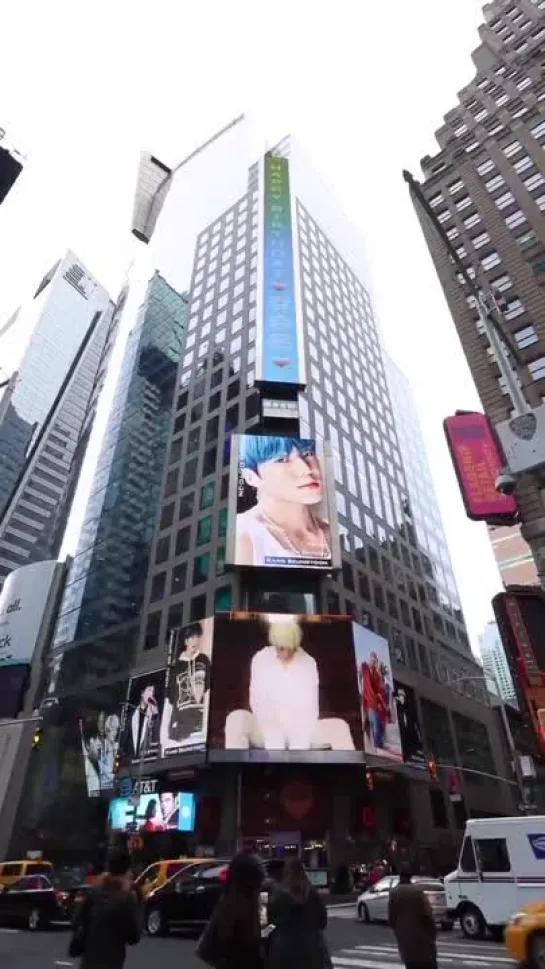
<point x="184" y="721"/>
<point x="381" y="734"/>
<point x="150" y="813"/>
<point x="140" y="733"/>
<point x="281" y="508"/>
<point x="410" y="731"/>
<point x="23" y="606"/>
<point x="477" y="460"/>
<point x="279" y="351"/>
<point x="284" y="688"/>
<point x="99" y="734"/>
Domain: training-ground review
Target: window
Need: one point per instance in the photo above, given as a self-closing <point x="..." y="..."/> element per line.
<point x="158" y="587"/>
<point x="480" y="240"/>
<point x="516" y="218"/>
<point x="167" y="516"/>
<point x="223" y="599"/>
<point x="201" y="568"/>
<point x="162" y="550"/>
<point x="512" y="149"/>
<point x="222" y="522"/>
<point x="523" y="163"/>
<point x="490" y="261"/>
<point x="494" y="183"/>
<point x="207" y="495"/>
<point x="472" y="220"/>
<point x="178" y="579"/>
<point x="485" y="167"/>
<point x="534" y="181"/>
<point x="198" y="608"/>
<point x="537" y="368"/>
<point x="204" y="530"/>
<point x="504" y="200"/>
<point x="464" y="202"/>
<point x="538" y="131"/>
<point x="190" y="473"/>
<point x="186" y="506"/>
<point x="492" y="854"/>
<point x="171" y="483"/>
<point x="526" y="337"/>
<point x="513" y="309"/>
<point x="467" y="856"/>
<point x="182" y="540"/>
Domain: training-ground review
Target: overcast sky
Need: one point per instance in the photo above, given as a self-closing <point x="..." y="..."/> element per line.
<point x="362" y="84"/>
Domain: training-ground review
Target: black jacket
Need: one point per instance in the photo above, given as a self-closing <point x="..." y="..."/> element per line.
<point x="411" y="918"/>
<point x="297" y="941"/>
<point x="112" y="918"/>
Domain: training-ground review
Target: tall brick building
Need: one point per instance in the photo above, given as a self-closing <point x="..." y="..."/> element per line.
<point x="486" y="185"/>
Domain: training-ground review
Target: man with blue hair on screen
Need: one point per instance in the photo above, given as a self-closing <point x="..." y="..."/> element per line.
<point x="285" y="524"/>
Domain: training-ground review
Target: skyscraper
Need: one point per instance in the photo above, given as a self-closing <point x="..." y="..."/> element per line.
<point x="495" y="663"/>
<point x="486" y="185"/>
<point x="257" y="242"/>
<point x="11" y="165"/>
<point x="47" y="405"/>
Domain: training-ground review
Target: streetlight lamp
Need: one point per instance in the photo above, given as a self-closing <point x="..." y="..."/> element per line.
<point x="507" y="730"/>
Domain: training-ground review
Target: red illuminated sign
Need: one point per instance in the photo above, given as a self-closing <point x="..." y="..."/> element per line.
<point x="477" y="460"/>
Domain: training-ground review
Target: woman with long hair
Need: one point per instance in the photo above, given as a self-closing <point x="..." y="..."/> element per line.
<point x="232" y="938"/>
<point x="299" y="917"/>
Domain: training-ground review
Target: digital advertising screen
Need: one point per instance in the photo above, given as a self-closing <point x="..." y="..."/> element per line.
<point x="281" y="510"/>
<point x="412" y="745"/>
<point x="284" y="688"/>
<point x="165" y="811"/>
<point x="477" y="459"/>
<point x="99" y="733"/>
<point x="140" y="733"/>
<point x="184" y="721"/>
<point x="378" y="705"/>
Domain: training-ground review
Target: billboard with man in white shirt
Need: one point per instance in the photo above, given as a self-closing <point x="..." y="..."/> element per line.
<point x="284" y="688"/>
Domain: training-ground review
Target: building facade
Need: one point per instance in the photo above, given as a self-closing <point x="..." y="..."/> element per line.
<point x="394" y="578"/>
<point x="513" y="555"/>
<point x="11" y="164"/>
<point x="486" y="185"/>
<point x="495" y="663"/>
<point x="47" y="410"/>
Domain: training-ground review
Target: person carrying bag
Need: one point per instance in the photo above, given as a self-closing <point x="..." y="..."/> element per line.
<point x="299" y="917"/>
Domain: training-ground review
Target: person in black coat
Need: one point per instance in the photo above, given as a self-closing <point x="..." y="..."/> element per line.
<point x="232" y="938"/>
<point x="299" y="917"/>
<point x="108" y="919"/>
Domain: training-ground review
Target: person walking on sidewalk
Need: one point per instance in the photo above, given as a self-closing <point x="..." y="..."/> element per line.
<point x="108" y="919"/>
<point x="411" y="918"/>
<point x="232" y="938"/>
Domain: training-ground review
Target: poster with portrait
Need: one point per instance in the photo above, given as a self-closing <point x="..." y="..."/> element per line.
<point x="377" y="695"/>
<point x="281" y="511"/>
<point x="410" y="730"/>
<point x="184" y="721"/>
<point x="284" y="690"/>
<point x="99" y="730"/>
<point x="140" y="734"/>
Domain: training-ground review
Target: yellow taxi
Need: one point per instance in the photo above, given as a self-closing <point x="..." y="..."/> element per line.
<point x="525" y="936"/>
<point x="12" y="871"/>
<point x="157" y="874"/>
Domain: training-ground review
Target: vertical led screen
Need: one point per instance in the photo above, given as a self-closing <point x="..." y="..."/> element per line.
<point x="279" y="355"/>
<point x="410" y="731"/>
<point x="184" y="721"/>
<point x="281" y="504"/>
<point x="381" y="733"/>
<point x="477" y="461"/>
<point x="140" y="734"/>
<point x="284" y="688"/>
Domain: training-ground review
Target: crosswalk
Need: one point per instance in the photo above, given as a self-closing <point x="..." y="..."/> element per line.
<point x="451" y="955"/>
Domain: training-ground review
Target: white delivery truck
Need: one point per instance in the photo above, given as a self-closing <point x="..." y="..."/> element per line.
<point x="500" y="870"/>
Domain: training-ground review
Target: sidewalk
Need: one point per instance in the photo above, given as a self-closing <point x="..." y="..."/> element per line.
<point x="350" y="898"/>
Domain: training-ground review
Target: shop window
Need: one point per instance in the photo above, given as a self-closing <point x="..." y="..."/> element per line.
<point x="178" y="580"/>
<point x="153" y="626"/>
<point x="158" y="587"/>
<point x="198" y="608"/>
<point x="201" y="568"/>
<point x="182" y="540"/>
<point x="190" y="473"/>
<point x="162" y="550"/>
<point x="204" y="530"/>
<point x="207" y="495"/>
<point x="223" y="599"/>
<point x="167" y="516"/>
<point x="186" y="506"/>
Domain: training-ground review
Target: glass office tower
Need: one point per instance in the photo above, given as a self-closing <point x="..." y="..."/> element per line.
<point x="202" y="223"/>
<point x="48" y="407"/>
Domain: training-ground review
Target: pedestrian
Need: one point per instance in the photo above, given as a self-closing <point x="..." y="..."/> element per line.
<point x="411" y="918"/>
<point x="299" y="917"/>
<point x="108" y="919"/>
<point x="232" y="938"/>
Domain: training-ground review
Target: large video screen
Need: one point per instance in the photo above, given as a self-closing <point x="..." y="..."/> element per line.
<point x="184" y="721"/>
<point x="167" y="811"/>
<point x="281" y="514"/>
<point x="410" y="730"/>
<point x="377" y="695"/>
<point x="140" y="734"/>
<point x="284" y="688"/>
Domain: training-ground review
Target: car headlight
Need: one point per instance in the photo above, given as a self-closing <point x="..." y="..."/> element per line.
<point x="518" y="918"/>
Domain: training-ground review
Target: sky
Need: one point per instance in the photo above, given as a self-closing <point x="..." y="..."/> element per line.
<point x="363" y="86"/>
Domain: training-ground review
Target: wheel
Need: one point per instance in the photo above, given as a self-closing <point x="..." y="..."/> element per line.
<point x="363" y="912"/>
<point x="447" y="925"/>
<point x="34" y="919"/>
<point x="155" y="922"/>
<point x="472" y="923"/>
<point x="536" y="950"/>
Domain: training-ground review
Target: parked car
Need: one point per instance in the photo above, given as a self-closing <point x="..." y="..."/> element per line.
<point x="372" y="904"/>
<point x="13" y="871"/>
<point x="186" y="900"/>
<point x="33" y="901"/>
<point x="160" y="871"/>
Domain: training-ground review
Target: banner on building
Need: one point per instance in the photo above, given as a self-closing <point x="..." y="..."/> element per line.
<point x="381" y="734"/>
<point x="477" y="460"/>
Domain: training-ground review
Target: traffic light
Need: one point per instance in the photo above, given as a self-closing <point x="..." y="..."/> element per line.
<point x="369" y="780"/>
<point x="432" y="769"/>
<point x="37" y="738"/>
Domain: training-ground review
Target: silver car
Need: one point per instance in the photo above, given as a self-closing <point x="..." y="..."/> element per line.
<point x="372" y="905"/>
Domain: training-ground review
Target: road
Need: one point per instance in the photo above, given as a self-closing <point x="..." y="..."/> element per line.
<point x="353" y="946"/>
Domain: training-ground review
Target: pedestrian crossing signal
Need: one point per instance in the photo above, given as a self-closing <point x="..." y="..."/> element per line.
<point x="432" y="768"/>
<point x="369" y="780"/>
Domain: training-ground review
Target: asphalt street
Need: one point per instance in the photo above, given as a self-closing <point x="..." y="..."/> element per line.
<point x="353" y="946"/>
